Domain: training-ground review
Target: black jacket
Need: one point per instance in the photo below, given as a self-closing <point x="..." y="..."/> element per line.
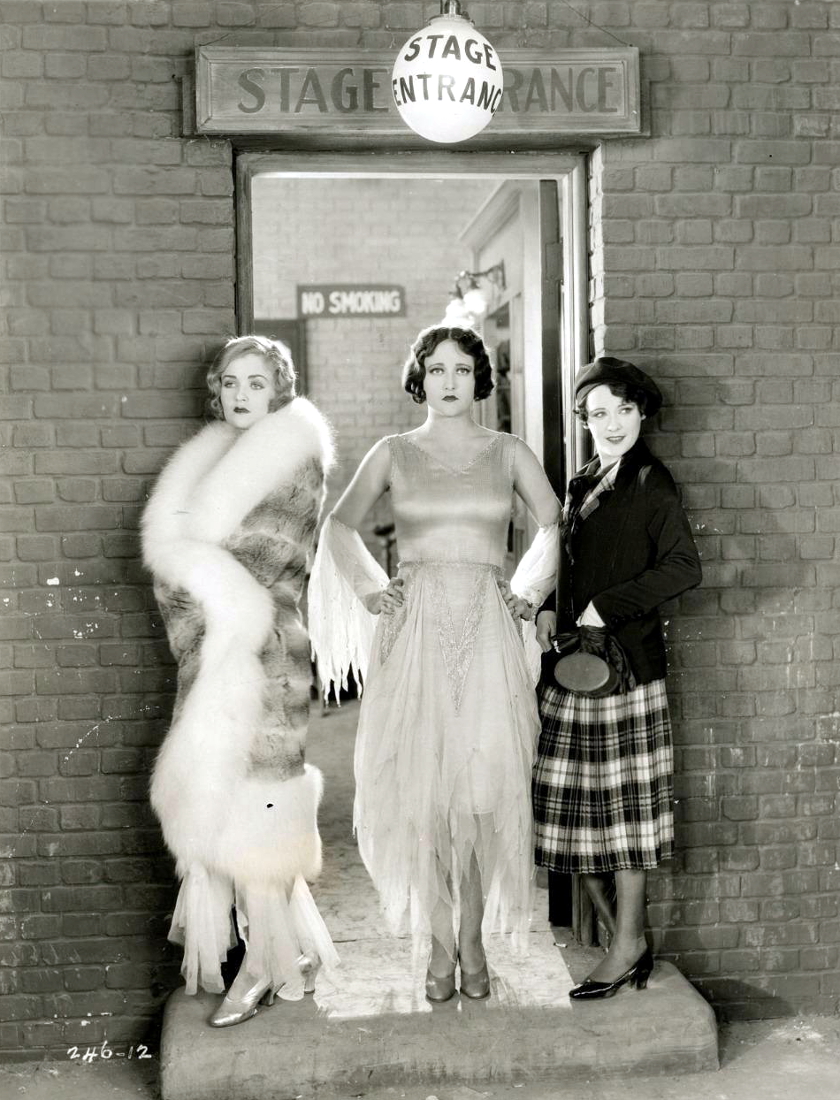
<point x="628" y="556"/>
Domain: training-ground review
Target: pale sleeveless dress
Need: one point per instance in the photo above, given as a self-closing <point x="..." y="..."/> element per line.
<point x="449" y="719"/>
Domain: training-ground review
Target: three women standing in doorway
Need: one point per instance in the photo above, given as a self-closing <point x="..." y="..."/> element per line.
<point x="448" y="720"/>
<point x="449" y="717"/>
<point x="603" y="800"/>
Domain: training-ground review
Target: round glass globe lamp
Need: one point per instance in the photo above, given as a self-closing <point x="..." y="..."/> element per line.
<point x="447" y="80"/>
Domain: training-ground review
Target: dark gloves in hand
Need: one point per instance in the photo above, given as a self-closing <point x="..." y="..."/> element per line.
<point x="588" y="661"/>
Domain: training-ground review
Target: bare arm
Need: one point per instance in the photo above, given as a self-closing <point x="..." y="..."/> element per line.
<point x="369" y="483"/>
<point x="533" y="486"/>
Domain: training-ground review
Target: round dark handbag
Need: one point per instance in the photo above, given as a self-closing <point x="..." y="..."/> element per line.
<point x="588" y="661"/>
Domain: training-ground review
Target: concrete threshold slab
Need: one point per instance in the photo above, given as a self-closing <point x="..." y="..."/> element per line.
<point x="369" y="1024"/>
<point x="374" y="1027"/>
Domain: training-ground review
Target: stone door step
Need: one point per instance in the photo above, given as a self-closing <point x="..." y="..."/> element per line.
<point x="369" y="1024"/>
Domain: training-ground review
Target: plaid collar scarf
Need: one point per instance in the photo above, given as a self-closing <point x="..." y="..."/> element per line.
<point x="573" y="513"/>
<point x="602" y="485"/>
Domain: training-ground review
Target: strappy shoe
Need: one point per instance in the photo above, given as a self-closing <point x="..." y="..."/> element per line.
<point x="637" y="976"/>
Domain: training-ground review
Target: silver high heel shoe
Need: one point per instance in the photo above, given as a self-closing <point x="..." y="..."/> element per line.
<point x="237" y="1011"/>
<point x="309" y="965"/>
<point x="476" y="985"/>
<point x="440" y="987"/>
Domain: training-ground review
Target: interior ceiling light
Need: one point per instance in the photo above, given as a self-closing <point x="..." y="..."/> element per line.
<point x="469" y="302"/>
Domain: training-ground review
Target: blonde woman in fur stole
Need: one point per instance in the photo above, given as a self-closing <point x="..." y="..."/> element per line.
<point x="226" y="535"/>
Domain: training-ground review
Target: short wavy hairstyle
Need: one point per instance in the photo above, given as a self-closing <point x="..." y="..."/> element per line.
<point x="625" y="391"/>
<point x="277" y="358"/>
<point x="414" y="370"/>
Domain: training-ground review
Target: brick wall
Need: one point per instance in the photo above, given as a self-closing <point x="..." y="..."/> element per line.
<point x="117" y="283"/>
<point x="715" y="271"/>
<point x="713" y="259"/>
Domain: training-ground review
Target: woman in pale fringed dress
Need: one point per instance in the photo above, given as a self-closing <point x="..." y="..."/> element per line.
<point x="226" y="535"/>
<point x="448" y="722"/>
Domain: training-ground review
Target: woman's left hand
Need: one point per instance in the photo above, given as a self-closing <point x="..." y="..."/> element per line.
<point x="590" y="617"/>
<point x="387" y="600"/>
<point x="518" y="608"/>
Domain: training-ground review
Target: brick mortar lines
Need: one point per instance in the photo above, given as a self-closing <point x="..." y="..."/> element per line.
<point x="117" y="244"/>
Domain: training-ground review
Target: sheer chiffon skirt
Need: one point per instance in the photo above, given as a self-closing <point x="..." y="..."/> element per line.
<point x="277" y="921"/>
<point x="445" y="745"/>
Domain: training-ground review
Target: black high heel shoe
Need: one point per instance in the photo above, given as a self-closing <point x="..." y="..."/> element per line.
<point x="637" y="976"/>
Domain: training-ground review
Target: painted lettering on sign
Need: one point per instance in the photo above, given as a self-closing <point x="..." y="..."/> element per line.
<point x="292" y="93"/>
<point x="539" y="90"/>
<point x="351" y="301"/>
<point x="276" y="90"/>
<point x="440" y="88"/>
<point x="479" y="53"/>
<point x="585" y="89"/>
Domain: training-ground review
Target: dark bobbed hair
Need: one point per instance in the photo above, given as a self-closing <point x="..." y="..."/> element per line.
<point x="414" y="370"/>
<point x="623" y="390"/>
<point x="277" y="357"/>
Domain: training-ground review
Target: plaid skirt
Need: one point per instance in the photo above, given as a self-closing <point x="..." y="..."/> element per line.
<point x="603" y="781"/>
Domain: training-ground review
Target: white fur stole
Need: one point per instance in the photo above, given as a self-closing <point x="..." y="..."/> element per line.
<point x="211" y="810"/>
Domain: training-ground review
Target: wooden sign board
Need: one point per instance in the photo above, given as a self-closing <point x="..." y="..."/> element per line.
<point x="251" y="90"/>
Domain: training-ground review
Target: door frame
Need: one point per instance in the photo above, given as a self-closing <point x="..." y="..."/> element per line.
<point x="568" y="169"/>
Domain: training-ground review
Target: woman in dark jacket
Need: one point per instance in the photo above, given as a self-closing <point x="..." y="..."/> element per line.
<point x="603" y="777"/>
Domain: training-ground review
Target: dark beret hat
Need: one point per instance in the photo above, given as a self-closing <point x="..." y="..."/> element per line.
<point x="606" y="371"/>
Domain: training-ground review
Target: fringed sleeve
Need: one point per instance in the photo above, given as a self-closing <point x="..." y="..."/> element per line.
<point x="535" y="577"/>
<point x="340" y="626"/>
<point x="536" y="573"/>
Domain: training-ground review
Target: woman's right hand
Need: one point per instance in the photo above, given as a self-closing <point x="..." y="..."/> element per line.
<point x="546" y="629"/>
<point x="388" y="599"/>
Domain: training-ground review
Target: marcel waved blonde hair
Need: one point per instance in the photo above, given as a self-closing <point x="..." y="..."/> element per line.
<point x="276" y="355"/>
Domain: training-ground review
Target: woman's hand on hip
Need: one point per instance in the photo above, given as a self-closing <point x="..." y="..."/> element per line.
<point x="546" y="629"/>
<point x="518" y="608"/>
<point x="388" y="599"/>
